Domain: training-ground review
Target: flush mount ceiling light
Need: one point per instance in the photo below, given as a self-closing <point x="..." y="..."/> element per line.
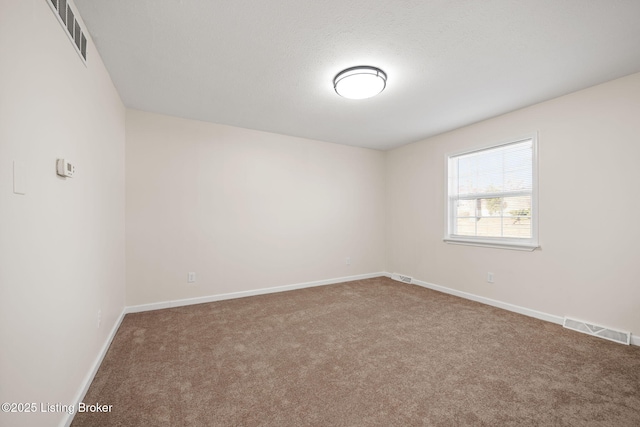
<point x="360" y="82"/>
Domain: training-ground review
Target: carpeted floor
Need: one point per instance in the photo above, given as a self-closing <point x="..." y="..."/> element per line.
<point x="367" y="353"/>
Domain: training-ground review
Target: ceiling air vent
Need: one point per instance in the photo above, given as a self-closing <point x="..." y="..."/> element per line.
<point x="597" y="331"/>
<point x="401" y="278"/>
<point x="67" y="19"/>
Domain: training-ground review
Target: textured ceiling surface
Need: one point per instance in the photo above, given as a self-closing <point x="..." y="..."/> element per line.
<point x="269" y="65"/>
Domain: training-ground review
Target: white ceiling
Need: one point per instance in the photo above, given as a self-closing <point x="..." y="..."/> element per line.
<point x="269" y="64"/>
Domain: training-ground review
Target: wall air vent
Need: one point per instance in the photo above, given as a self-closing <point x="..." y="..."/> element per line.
<point x="401" y="278"/>
<point x="67" y="19"/>
<point x="597" y="331"/>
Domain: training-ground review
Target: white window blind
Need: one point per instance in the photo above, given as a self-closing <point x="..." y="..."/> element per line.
<point x="492" y="196"/>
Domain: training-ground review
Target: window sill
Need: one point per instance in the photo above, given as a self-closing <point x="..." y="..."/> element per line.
<point x="493" y="244"/>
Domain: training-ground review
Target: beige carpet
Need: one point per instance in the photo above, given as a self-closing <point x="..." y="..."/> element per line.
<point x="367" y="353"/>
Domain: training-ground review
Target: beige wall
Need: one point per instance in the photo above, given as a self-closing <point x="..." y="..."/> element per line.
<point x="61" y="244"/>
<point x="588" y="266"/>
<point x="244" y="209"/>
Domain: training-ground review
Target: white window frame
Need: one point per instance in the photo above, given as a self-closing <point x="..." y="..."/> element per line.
<point x="485" y="241"/>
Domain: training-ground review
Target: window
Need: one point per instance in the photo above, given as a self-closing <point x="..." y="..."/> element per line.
<point x="492" y="196"/>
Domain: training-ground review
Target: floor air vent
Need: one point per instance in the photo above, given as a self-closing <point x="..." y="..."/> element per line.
<point x="598" y="331"/>
<point x="71" y="26"/>
<point x="401" y="278"/>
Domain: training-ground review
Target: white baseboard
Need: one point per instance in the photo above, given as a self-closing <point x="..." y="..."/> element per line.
<point x="635" y="339"/>
<point x="492" y="302"/>
<point x="66" y="421"/>
<point x="242" y="294"/>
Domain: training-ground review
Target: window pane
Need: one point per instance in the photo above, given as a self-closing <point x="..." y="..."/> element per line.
<point x="517" y="227"/>
<point x="490" y="226"/>
<point x="466" y="208"/>
<point x="494" y="217"/>
<point x="491" y="207"/>
<point x="465" y="226"/>
<point x="519" y="206"/>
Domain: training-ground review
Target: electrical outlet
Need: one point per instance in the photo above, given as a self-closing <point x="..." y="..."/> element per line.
<point x="99" y="318"/>
<point x="490" y="277"/>
<point x="191" y="277"/>
<point x="347" y="261"/>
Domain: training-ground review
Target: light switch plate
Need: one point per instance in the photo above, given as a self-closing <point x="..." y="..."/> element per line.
<point x="19" y="177"/>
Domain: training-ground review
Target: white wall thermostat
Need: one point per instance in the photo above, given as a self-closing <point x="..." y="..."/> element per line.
<point x="65" y="168"/>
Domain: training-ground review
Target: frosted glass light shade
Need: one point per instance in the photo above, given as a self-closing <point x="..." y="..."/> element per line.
<point x="360" y="82"/>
